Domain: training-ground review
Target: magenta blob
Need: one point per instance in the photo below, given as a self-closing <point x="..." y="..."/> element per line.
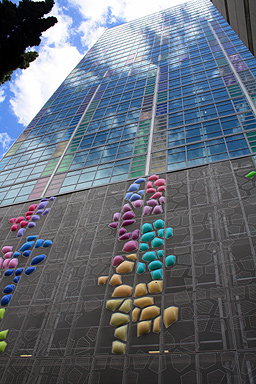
<point x="157" y="195"/>
<point x="128" y="215"/>
<point x="113" y="225"/>
<point x="7" y="248"/>
<point x="152" y="202"/>
<point x="20" y="218"/>
<point x="130" y="246"/>
<point x="135" y="234"/>
<point x="20" y="232"/>
<point x="122" y="231"/>
<point x="157" y="209"/>
<point x="137" y="203"/>
<point x="159" y="182"/>
<point x="32" y="207"/>
<point x="151" y="190"/>
<point x="125" y="236"/>
<point x="13" y="263"/>
<point x="12" y="220"/>
<point x="117" y="260"/>
<point x="162" y="199"/>
<point x="14" y="227"/>
<point x="23" y="223"/>
<point x="153" y="177"/>
<point x="29" y="213"/>
<point x="147" y="210"/>
<point x="116" y="216"/>
<point x="149" y="184"/>
<point x="161" y="189"/>
<point x="8" y="255"/>
<point x="127" y="222"/>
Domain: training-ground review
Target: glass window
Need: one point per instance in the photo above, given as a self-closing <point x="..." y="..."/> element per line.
<point x="212" y="129"/>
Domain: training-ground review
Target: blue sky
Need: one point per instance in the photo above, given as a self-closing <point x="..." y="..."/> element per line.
<point x="80" y="24"/>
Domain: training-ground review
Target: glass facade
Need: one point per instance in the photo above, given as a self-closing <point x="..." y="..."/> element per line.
<point x="165" y="92"/>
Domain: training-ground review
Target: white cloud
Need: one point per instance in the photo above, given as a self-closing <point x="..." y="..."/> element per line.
<point x="32" y="87"/>
<point x="57" y="57"/>
<point x="96" y="13"/>
<point x="5" y="142"/>
<point x="2" y="95"/>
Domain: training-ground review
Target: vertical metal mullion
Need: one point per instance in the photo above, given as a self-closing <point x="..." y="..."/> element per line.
<point x="150" y="140"/>
<point x="247" y="96"/>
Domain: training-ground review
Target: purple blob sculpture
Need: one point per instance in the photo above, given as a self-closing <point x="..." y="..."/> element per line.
<point x="116" y="216"/>
<point x="137" y="203"/>
<point x="126" y="208"/>
<point x="117" y="260"/>
<point x="31" y="224"/>
<point x="122" y="231"/>
<point x="35" y="217"/>
<point x="113" y="225"/>
<point x="162" y="200"/>
<point x="130" y="246"/>
<point x="43" y="204"/>
<point x="127" y="222"/>
<point x="147" y="210"/>
<point x="126" y="236"/>
<point x="157" y="209"/>
<point x="128" y="215"/>
<point x="152" y="202"/>
<point x="135" y="234"/>
<point x="20" y="232"/>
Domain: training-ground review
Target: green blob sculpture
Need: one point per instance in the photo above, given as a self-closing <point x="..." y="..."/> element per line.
<point x="147" y="228"/>
<point x="148" y="236"/>
<point x="251" y="174"/>
<point x="119" y="319"/>
<point x="156" y="242"/>
<point x="121" y="332"/>
<point x="149" y="256"/>
<point x="158" y="224"/>
<point x="2" y="312"/>
<point x="126" y="306"/>
<point x="113" y="304"/>
<point x="3" y="345"/>
<point x="3" y="334"/>
<point x="118" y="347"/>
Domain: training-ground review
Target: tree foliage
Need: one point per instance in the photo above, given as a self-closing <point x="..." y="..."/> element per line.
<point x="21" y="27"/>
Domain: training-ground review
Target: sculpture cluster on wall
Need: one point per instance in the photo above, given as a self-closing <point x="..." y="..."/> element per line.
<point x="32" y="216"/>
<point x="10" y="258"/>
<point x="149" y="245"/>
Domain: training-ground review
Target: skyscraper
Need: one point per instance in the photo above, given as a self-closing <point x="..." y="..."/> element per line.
<point x="128" y="222"/>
